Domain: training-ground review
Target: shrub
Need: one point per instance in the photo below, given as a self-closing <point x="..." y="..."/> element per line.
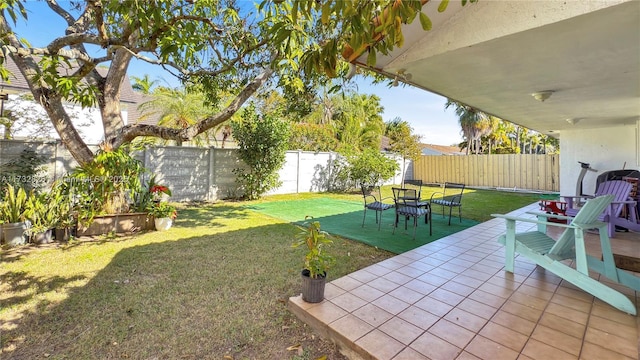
<point x="24" y="172"/>
<point x="163" y="210"/>
<point x="262" y="141"/>
<point x="367" y="167"/>
<point x="107" y="184"/>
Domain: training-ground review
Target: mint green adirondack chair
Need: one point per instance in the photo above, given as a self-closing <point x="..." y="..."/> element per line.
<point x="548" y="253"/>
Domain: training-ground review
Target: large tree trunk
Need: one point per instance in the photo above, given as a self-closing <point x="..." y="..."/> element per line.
<point x="52" y="104"/>
<point x="109" y="102"/>
<point x="68" y="133"/>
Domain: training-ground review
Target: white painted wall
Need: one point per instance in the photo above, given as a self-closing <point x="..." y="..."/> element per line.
<point x="87" y="121"/>
<point x="306" y="171"/>
<point x="483" y="21"/>
<point x="605" y="149"/>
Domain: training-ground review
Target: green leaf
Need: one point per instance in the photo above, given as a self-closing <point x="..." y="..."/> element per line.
<point x="425" y="22"/>
<point x="443" y="5"/>
<point x="400" y="39"/>
<point x="294" y="12"/>
<point x="4" y="75"/>
<point x="371" y="58"/>
<point x="349" y="9"/>
<point x="335" y="89"/>
<point x="326" y="11"/>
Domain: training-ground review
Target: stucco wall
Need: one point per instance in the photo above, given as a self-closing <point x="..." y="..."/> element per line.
<point x="87" y="121"/>
<point x="605" y="149"/>
<point x="195" y="174"/>
<point x="483" y="21"/>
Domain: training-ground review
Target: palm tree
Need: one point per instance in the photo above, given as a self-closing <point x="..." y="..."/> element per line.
<point x="143" y="84"/>
<point x="402" y="140"/>
<point x="178" y="108"/>
<point x="358" y="123"/>
<point x="473" y="122"/>
<point x="490" y="136"/>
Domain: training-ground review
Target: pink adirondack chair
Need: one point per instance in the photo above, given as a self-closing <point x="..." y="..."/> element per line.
<point x="613" y="214"/>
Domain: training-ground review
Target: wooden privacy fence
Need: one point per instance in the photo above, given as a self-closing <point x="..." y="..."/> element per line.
<point x="515" y="171"/>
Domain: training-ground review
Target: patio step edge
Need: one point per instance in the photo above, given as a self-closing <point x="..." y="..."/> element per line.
<point x="347" y="347"/>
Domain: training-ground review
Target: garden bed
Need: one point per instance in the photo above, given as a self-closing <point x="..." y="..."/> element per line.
<point x="117" y="223"/>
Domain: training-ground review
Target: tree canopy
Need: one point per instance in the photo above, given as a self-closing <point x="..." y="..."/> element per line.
<point x="216" y="45"/>
<point x="488" y="134"/>
<point x="402" y="140"/>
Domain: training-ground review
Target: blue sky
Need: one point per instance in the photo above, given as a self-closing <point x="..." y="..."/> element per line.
<point x="422" y="109"/>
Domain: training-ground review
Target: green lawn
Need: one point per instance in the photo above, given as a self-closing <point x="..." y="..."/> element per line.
<point x="213" y="286"/>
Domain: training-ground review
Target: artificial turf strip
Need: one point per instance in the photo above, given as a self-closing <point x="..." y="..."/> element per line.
<point x="344" y="218"/>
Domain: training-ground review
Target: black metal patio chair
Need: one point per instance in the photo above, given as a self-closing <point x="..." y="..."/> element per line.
<point x="450" y="196"/>
<point x="409" y="206"/>
<point x="373" y="200"/>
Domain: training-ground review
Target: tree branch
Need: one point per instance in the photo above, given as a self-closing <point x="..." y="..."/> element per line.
<point x="70" y="40"/>
<point x="68" y="54"/>
<point x="130" y="132"/>
<point x="44" y="95"/>
<point x="96" y="6"/>
<point x="162" y="29"/>
<point x="53" y="5"/>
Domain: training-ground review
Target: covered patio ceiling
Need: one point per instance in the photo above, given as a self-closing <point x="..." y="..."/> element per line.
<point x="493" y="55"/>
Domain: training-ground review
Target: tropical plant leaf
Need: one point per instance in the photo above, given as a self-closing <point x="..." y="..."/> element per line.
<point x="443" y="5"/>
<point x="425" y="22"/>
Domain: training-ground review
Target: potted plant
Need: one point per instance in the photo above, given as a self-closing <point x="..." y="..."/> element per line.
<point x="12" y="213"/>
<point x="144" y="195"/>
<point x="41" y="210"/>
<point x="158" y="192"/>
<point x="163" y="214"/>
<point x="65" y="219"/>
<point x="316" y="261"/>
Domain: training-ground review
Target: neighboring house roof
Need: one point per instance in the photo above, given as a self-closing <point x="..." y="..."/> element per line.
<point x="18" y="84"/>
<point x="136" y="115"/>
<point x="430" y="149"/>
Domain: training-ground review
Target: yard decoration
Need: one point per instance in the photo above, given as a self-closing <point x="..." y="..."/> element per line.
<point x="316" y="261"/>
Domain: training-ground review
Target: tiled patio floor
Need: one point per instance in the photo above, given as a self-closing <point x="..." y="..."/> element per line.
<point x="452" y="299"/>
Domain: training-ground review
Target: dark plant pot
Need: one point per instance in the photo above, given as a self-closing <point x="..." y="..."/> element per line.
<point x="63" y="234"/>
<point x="312" y="289"/>
<point x="44" y="237"/>
<point x="15" y="233"/>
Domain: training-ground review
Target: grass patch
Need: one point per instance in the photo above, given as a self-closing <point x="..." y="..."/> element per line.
<point x="214" y="285"/>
